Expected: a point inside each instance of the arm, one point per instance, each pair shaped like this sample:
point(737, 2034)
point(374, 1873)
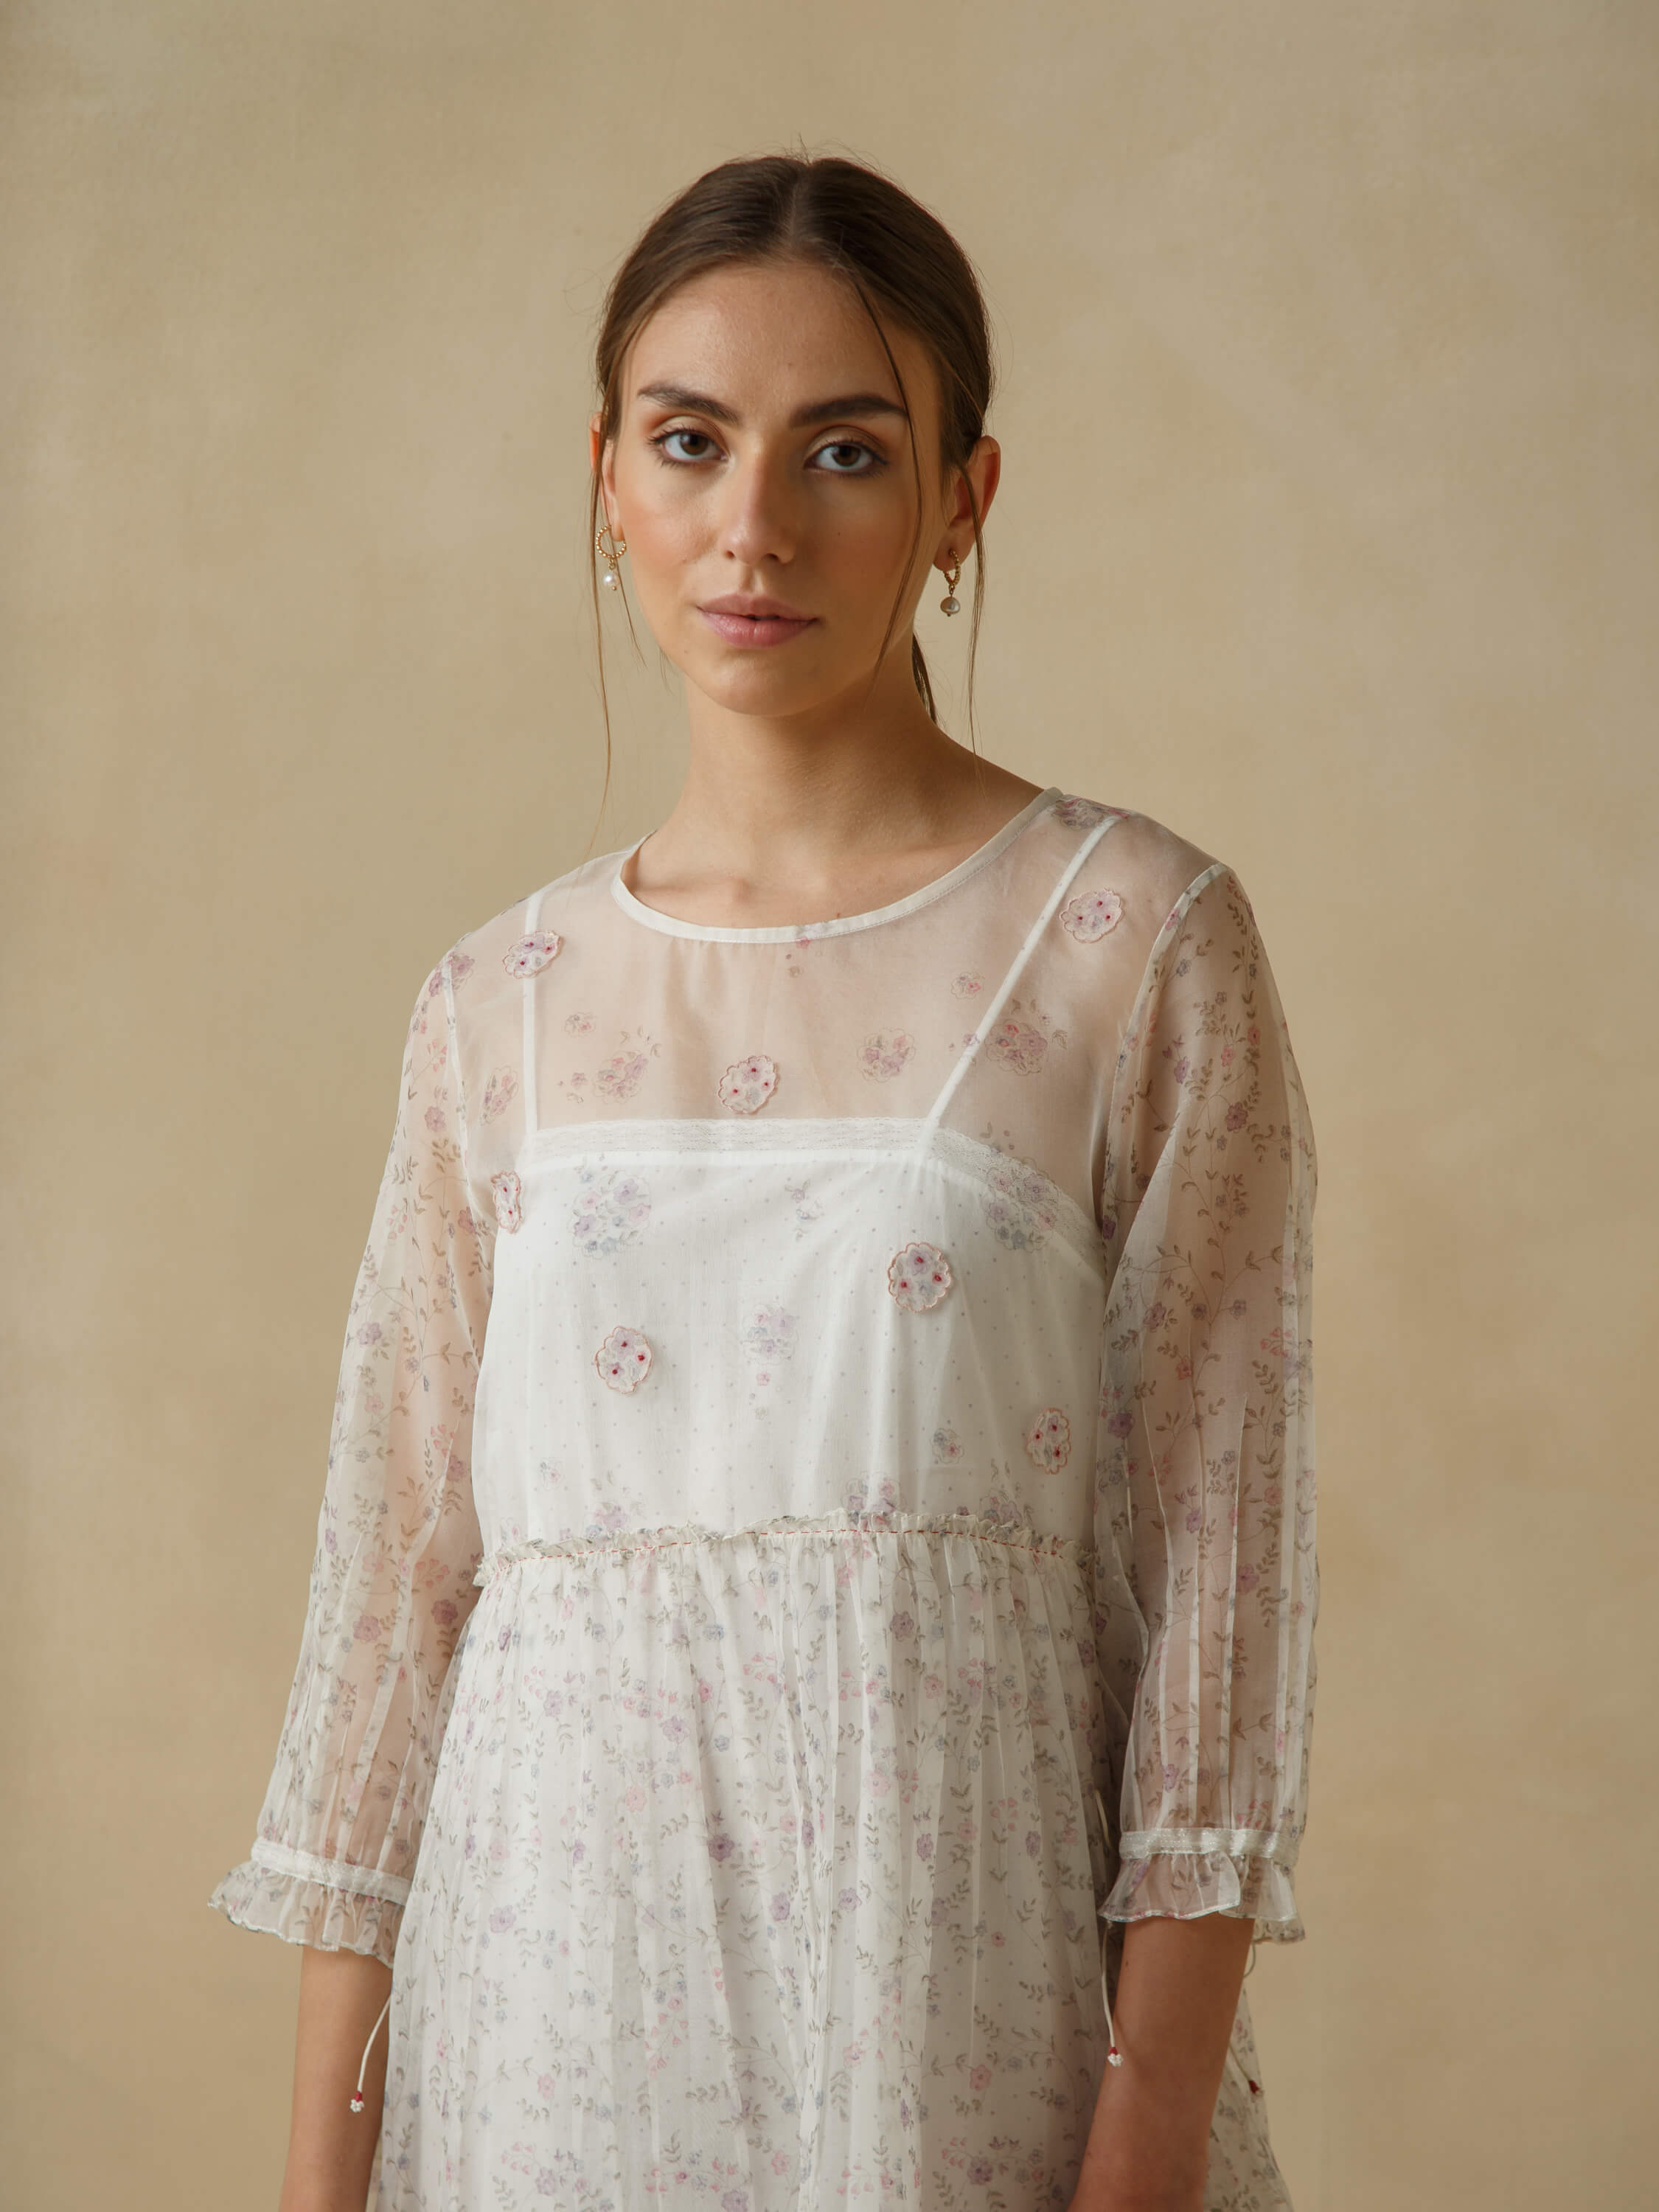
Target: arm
point(331, 2149)
point(391, 1589)
point(1204, 1521)
point(1148, 2149)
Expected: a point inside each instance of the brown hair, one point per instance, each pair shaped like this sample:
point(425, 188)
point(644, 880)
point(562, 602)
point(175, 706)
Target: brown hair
point(896, 257)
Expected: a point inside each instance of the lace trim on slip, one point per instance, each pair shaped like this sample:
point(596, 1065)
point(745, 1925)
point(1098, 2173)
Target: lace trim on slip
point(828, 1136)
point(1230, 1843)
point(1004, 1535)
point(330, 1874)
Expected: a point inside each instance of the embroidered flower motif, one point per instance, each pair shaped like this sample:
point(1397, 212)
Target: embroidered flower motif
point(613, 1208)
point(884, 1054)
point(1048, 1440)
point(1017, 1045)
point(509, 1193)
point(748, 1084)
point(530, 955)
point(578, 1024)
point(1089, 916)
point(624, 1359)
point(918, 1277)
point(947, 1445)
point(968, 987)
point(499, 1093)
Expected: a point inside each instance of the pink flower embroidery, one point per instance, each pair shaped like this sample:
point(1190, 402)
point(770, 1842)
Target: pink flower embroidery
point(748, 1084)
point(1092, 915)
point(508, 1194)
point(1048, 1440)
point(884, 1054)
point(530, 955)
point(624, 1359)
point(968, 987)
point(1017, 1045)
point(578, 1024)
point(918, 1277)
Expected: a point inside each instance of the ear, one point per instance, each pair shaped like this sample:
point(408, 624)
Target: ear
point(600, 460)
point(984, 470)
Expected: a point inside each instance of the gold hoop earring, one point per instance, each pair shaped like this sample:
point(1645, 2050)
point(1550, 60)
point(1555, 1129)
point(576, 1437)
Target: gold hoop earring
point(951, 604)
point(610, 554)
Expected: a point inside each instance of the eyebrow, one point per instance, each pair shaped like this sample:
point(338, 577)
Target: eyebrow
point(817, 410)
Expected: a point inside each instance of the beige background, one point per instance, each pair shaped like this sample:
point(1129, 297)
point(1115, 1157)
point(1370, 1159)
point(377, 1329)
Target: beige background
point(1327, 535)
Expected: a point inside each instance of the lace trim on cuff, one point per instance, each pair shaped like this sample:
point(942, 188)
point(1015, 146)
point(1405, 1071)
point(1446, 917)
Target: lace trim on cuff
point(310, 1912)
point(330, 1874)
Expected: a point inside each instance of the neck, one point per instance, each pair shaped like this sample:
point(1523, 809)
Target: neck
point(766, 799)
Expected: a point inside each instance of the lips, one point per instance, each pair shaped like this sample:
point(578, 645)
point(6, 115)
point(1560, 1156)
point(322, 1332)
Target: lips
point(754, 621)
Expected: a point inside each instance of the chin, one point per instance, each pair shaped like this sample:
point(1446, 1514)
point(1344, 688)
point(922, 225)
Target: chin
point(755, 689)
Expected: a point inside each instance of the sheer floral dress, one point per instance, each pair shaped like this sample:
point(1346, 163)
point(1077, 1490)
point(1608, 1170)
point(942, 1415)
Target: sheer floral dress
point(818, 1531)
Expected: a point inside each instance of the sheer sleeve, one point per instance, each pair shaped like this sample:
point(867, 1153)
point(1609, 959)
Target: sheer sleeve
point(1205, 1490)
point(397, 1542)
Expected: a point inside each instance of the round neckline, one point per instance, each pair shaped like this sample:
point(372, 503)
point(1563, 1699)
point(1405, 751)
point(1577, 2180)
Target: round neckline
point(792, 933)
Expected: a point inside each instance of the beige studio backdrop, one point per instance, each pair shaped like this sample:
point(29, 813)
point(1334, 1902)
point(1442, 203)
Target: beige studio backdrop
point(1326, 536)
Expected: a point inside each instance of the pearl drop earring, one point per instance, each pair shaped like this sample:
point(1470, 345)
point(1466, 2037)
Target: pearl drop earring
point(950, 602)
point(610, 554)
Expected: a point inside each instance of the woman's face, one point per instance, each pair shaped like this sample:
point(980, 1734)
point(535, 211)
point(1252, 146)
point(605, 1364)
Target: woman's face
point(762, 478)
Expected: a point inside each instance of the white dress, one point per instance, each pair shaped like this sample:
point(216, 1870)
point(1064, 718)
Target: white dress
point(820, 1404)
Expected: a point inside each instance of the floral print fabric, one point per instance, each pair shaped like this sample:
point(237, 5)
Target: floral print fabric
point(714, 1761)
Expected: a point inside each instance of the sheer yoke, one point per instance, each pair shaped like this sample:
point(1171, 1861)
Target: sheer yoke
point(820, 1404)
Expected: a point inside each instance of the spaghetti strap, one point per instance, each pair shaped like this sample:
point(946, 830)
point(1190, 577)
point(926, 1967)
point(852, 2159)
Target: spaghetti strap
point(988, 1020)
point(532, 912)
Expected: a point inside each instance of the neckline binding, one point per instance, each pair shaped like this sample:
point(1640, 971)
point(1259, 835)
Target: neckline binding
point(791, 932)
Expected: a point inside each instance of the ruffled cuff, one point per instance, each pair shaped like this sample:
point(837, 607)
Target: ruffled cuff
point(307, 1901)
point(1182, 1875)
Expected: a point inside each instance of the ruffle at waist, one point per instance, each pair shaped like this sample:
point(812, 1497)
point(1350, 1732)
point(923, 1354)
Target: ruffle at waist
point(976, 1528)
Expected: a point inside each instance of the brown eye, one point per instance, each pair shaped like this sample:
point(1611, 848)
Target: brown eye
point(846, 456)
point(694, 437)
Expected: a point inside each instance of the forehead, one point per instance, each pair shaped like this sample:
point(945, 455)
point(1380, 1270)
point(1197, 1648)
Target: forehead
point(766, 336)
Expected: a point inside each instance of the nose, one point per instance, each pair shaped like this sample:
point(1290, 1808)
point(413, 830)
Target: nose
point(759, 518)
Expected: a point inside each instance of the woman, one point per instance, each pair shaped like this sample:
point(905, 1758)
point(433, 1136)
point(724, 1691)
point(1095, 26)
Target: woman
point(819, 1528)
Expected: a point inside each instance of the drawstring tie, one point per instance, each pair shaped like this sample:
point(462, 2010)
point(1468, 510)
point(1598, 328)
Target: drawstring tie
point(1113, 2056)
point(357, 2094)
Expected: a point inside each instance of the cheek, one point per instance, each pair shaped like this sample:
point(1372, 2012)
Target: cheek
point(867, 536)
point(664, 527)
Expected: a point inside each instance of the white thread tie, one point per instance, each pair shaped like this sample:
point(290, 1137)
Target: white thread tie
point(357, 2094)
point(1113, 2056)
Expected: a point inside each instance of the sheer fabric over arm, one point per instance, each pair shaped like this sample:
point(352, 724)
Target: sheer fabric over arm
point(397, 1540)
point(1205, 1488)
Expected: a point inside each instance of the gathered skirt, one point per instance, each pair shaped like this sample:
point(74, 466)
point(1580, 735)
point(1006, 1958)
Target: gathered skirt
point(762, 1873)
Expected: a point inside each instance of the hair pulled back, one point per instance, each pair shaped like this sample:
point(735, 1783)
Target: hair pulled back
point(899, 260)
